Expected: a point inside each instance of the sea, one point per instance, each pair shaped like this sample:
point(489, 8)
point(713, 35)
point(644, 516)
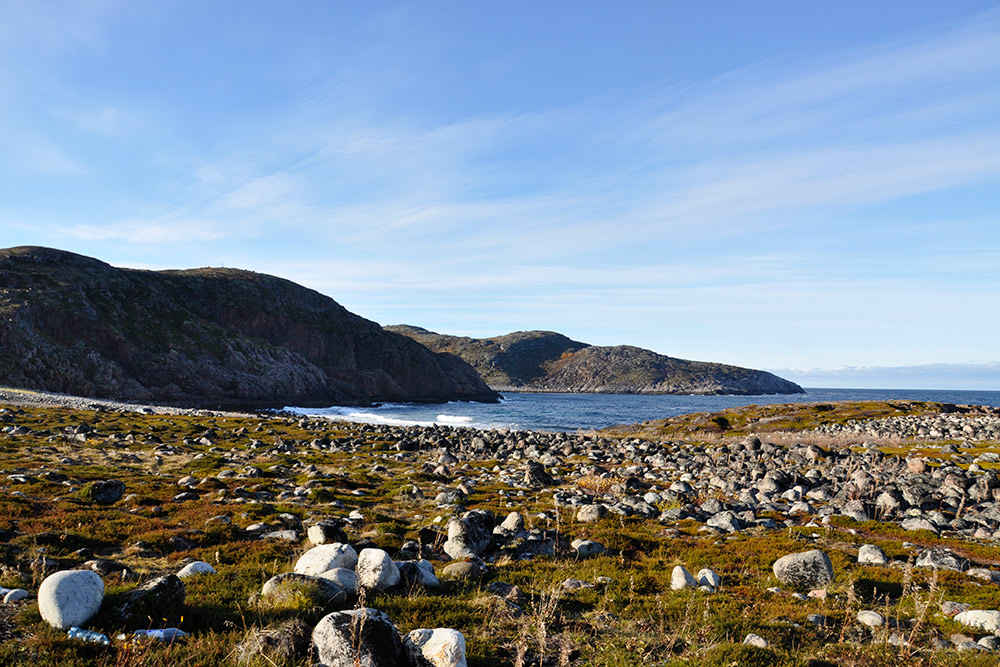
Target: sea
point(582, 412)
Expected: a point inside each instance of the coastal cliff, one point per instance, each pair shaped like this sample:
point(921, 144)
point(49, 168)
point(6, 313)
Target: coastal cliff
point(546, 361)
point(203, 337)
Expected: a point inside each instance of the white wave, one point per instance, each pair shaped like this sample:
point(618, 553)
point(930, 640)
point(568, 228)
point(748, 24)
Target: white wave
point(454, 420)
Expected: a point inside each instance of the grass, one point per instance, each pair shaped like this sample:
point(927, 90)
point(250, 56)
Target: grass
point(779, 418)
point(626, 614)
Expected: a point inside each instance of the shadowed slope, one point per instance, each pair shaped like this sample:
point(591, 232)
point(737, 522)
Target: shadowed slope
point(208, 337)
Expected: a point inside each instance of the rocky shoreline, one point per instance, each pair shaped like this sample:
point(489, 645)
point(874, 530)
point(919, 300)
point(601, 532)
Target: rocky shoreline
point(33, 398)
point(370, 523)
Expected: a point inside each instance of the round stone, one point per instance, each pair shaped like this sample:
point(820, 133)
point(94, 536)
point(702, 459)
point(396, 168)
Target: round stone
point(442, 647)
point(70, 597)
point(325, 557)
point(197, 567)
point(809, 569)
point(376, 570)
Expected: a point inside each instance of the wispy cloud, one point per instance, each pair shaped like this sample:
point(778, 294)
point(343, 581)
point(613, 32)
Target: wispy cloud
point(747, 150)
point(158, 232)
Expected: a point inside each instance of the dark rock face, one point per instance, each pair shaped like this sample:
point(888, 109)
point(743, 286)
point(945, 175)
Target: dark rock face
point(548, 361)
point(203, 337)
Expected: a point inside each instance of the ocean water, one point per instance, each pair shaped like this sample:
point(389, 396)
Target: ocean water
point(573, 412)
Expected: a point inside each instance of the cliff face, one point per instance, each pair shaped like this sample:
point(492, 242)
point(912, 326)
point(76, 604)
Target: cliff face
point(205, 337)
point(550, 362)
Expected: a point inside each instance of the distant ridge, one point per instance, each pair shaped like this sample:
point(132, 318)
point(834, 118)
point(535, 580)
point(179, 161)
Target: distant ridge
point(203, 337)
point(546, 361)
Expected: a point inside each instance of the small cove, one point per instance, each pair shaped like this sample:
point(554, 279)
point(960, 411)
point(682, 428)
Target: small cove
point(574, 412)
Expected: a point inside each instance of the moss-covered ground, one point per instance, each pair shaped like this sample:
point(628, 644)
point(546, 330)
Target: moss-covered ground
point(626, 613)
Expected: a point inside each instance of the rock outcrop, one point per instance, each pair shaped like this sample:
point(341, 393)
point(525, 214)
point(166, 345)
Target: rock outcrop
point(210, 337)
point(546, 361)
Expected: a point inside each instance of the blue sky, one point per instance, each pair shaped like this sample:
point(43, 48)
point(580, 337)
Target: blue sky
point(803, 187)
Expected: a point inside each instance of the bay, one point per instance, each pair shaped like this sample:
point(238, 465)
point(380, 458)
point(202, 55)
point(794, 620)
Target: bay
point(576, 412)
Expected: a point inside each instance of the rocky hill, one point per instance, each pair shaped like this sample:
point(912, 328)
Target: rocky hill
point(550, 362)
point(204, 337)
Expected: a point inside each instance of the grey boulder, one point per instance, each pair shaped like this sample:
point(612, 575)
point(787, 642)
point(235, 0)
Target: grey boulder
point(357, 638)
point(470, 534)
point(986, 619)
point(291, 583)
point(107, 491)
point(809, 569)
point(157, 598)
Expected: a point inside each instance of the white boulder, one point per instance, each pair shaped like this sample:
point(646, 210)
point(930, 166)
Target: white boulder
point(327, 557)
point(987, 619)
point(707, 577)
point(376, 570)
point(681, 578)
point(872, 619)
point(14, 595)
point(70, 597)
point(197, 567)
point(347, 579)
point(871, 554)
point(442, 647)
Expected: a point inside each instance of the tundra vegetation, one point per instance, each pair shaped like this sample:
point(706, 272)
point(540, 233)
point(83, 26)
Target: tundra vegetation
point(536, 600)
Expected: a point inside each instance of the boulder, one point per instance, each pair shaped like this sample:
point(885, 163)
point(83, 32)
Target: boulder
point(345, 578)
point(197, 567)
point(375, 570)
point(465, 570)
point(986, 619)
point(707, 577)
point(588, 548)
point(325, 557)
point(326, 532)
point(872, 619)
point(14, 595)
point(512, 526)
point(442, 647)
point(70, 598)
point(357, 638)
point(918, 523)
point(106, 492)
point(157, 598)
point(470, 534)
point(870, 554)
point(681, 578)
point(726, 521)
point(941, 559)
point(806, 570)
point(591, 513)
point(289, 583)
